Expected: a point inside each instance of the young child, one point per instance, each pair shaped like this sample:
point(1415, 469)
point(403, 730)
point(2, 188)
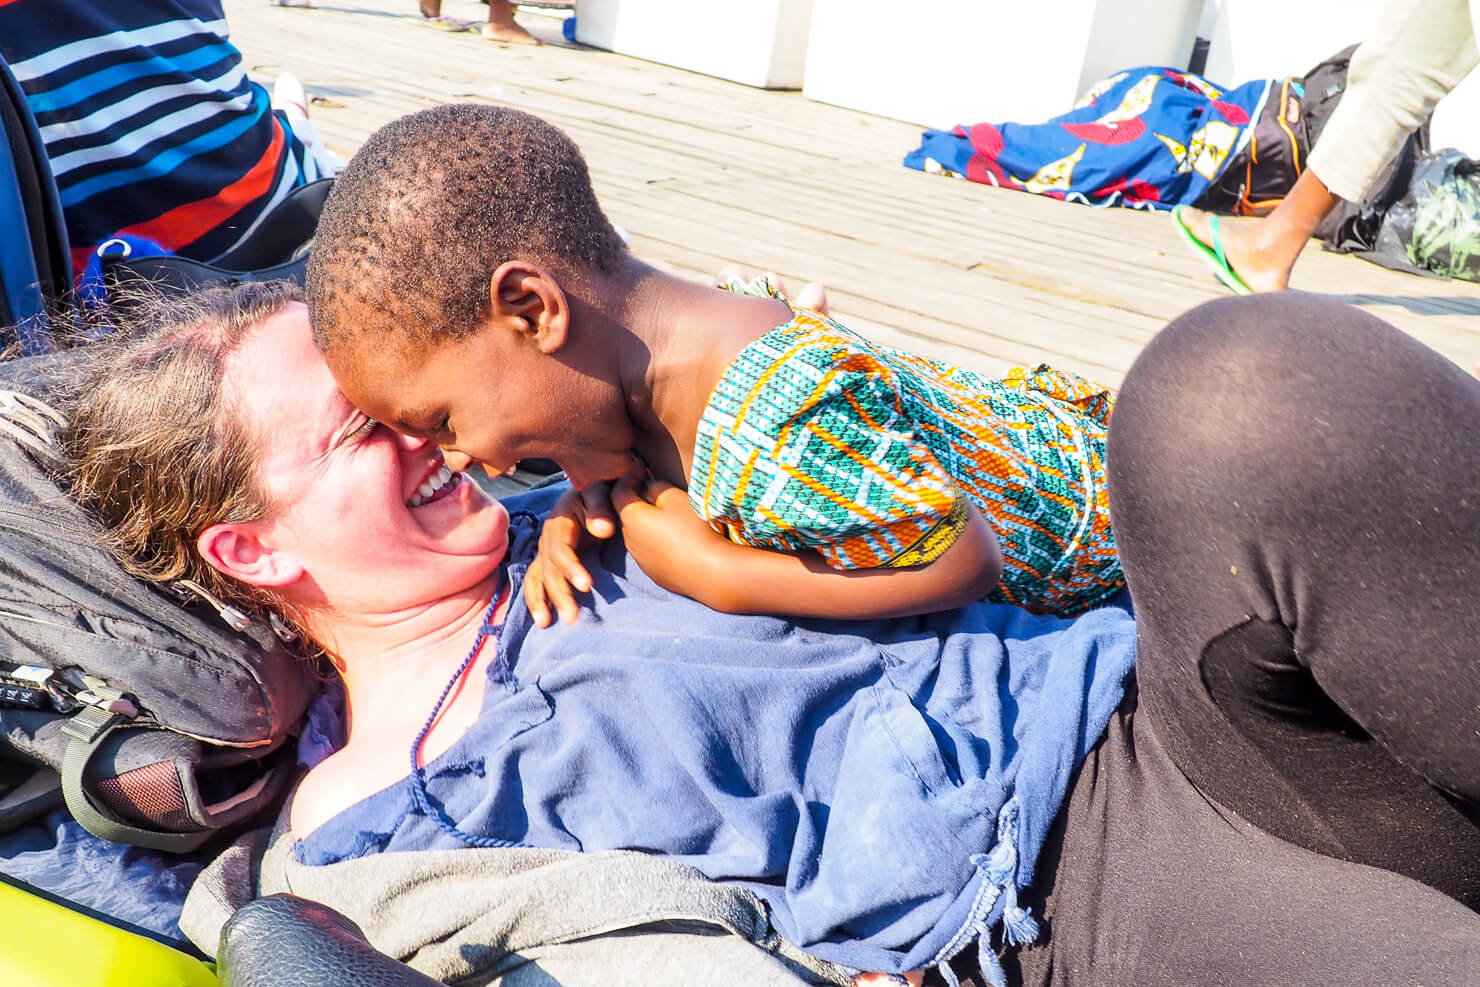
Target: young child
point(466, 287)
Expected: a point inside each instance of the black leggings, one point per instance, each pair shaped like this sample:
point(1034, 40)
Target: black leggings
point(1295, 489)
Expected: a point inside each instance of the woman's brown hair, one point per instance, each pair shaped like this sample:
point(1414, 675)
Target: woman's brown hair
point(157, 448)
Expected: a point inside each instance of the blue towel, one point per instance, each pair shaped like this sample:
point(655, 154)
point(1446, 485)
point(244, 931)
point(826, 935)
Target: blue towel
point(884, 786)
point(132, 886)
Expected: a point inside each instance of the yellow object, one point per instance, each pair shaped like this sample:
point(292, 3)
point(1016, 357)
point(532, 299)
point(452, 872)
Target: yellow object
point(45, 944)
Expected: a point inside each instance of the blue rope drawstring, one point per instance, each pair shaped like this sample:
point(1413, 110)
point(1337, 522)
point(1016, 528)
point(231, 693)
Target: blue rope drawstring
point(418, 774)
point(998, 868)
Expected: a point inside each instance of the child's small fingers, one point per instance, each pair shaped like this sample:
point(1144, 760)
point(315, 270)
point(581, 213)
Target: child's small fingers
point(813, 296)
point(601, 518)
point(666, 494)
point(730, 272)
point(575, 574)
point(558, 532)
point(540, 616)
point(557, 592)
point(534, 595)
point(624, 497)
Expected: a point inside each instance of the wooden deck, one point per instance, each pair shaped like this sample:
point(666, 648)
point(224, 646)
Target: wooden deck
point(704, 172)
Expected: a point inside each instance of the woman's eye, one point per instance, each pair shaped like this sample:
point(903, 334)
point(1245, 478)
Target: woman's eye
point(363, 432)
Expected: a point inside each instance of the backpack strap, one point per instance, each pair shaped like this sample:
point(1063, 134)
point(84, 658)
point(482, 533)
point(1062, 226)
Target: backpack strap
point(35, 260)
point(31, 423)
point(86, 731)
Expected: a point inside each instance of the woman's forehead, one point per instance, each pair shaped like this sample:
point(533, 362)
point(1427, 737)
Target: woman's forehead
point(281, 379)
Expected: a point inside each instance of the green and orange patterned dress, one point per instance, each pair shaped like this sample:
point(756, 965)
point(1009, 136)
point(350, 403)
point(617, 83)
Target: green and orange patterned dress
point(815, 438)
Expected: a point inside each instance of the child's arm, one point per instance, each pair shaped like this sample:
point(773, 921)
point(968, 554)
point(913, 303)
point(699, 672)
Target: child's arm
point(681, 553)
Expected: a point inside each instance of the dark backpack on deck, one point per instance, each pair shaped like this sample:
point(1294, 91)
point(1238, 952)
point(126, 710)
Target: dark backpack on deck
point(1353, 226)
point(1261, 173)
point(156, 724)
point(1256, 177)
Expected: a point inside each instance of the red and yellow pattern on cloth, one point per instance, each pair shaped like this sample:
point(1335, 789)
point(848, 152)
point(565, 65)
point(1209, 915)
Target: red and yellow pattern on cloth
point(815, 438)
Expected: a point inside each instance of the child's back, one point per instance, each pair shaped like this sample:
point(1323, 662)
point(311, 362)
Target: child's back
point(815, 438)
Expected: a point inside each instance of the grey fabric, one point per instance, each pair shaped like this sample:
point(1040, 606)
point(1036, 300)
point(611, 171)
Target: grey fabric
point(522, 917)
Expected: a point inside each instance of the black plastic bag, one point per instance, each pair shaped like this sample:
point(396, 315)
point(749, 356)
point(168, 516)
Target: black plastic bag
point(1435, 227)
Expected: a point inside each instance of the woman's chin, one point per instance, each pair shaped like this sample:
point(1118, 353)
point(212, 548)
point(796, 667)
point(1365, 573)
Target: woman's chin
point(467, 514)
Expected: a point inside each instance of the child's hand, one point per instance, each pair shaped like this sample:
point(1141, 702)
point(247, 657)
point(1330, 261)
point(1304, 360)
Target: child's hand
point(556, 573)
point(670, 542)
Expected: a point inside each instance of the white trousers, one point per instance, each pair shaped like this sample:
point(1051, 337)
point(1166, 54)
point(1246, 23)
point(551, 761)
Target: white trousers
point(1418, 52)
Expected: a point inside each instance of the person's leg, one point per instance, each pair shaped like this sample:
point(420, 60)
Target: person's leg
point(1419, 51)
point(1144, 880)
point(1295, 488)
point(503, 28)
point(311, 155)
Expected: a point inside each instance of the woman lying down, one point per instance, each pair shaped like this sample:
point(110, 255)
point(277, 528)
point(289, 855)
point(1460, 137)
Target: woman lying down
point(894, 791)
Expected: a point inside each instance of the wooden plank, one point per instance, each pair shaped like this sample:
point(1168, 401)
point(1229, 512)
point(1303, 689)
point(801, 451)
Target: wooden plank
point(704, 172)
point(947, 297)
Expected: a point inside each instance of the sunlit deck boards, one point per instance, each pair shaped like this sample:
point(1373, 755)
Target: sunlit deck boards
point(704, 172)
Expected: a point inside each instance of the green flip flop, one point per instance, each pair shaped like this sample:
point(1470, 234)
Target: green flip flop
point(1212, 256)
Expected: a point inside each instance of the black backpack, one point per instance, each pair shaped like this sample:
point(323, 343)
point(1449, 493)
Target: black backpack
point(154, 719)
point(157, 724)
point(1353, 226)
point(1256, 178)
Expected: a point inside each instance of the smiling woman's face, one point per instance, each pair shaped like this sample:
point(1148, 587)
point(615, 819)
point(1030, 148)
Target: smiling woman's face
point(375, 520)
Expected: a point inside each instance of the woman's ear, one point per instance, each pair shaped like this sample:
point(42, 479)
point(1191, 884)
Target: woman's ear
point(236, 550)
point(528, 299)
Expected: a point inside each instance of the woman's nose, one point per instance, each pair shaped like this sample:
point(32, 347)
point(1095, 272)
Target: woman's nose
point(456, 460)
point(411, 442)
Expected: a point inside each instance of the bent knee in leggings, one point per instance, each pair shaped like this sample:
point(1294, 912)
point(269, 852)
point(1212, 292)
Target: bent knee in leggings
point(1292, 484)
point(1266, 390)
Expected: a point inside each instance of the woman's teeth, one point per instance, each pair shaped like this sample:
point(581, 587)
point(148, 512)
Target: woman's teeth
point(442, 479)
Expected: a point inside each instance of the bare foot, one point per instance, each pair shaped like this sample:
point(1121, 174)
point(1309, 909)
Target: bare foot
point(1262, 264)
point(430, 8)
point(813, 297)
point(502, 28)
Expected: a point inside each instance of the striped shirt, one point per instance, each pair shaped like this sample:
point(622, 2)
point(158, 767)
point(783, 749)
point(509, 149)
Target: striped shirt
point(815, 438)
point(150, 123)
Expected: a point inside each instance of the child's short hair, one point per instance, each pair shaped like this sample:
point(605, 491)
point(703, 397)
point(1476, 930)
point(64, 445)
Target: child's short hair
point(429, 208)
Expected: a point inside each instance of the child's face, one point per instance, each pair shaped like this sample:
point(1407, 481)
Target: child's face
point(493, 398)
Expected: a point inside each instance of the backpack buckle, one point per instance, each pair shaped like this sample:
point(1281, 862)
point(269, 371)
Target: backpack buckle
point(31, 423)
